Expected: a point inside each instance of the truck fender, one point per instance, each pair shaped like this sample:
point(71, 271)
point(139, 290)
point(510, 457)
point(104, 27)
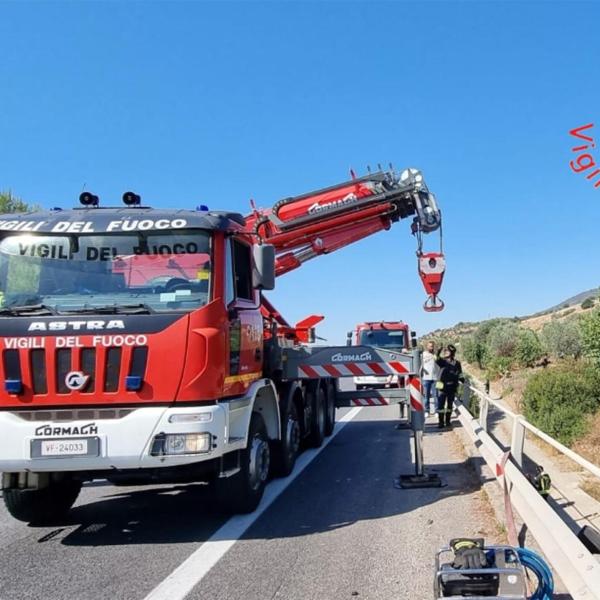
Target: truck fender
point(261, 398)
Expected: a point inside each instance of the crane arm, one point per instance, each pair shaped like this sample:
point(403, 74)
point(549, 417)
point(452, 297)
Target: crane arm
point(322, 221)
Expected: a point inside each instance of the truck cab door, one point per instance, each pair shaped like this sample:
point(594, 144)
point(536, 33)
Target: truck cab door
point(245, 319)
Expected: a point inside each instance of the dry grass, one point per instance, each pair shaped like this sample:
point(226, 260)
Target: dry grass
point(536, 323)
point(591, 486)
point(559, 460)
point(589, 445)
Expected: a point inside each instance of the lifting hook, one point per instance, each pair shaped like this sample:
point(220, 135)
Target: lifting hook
point(432, 267)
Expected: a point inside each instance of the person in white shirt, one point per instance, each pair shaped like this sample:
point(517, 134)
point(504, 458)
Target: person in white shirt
point(429, 377)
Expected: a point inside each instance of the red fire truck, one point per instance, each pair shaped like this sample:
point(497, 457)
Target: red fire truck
point(137, 344)
point(390, 335)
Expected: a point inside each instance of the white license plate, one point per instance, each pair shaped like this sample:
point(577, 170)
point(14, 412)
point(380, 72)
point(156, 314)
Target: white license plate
point(64, 447)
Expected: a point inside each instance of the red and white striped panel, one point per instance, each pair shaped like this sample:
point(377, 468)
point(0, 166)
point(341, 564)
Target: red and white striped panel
point(353, 369)
point(416, 395)
point(369, 402)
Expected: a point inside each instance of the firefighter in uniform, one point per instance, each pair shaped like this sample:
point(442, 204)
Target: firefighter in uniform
point(447, 385)
point(542, 482)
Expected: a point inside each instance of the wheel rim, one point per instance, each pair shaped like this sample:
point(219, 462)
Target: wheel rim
point(292, 433)
point(260, 459)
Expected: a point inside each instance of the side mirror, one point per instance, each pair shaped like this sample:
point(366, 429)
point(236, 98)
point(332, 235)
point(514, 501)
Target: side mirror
point(263, 272)
point(349, 339)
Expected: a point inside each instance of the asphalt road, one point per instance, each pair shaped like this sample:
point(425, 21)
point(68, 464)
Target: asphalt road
point(339, 530)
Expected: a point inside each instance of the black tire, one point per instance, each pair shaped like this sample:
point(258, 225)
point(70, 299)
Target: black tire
point(242, 492)
point(285, 451)
point(318, 417)
point(43, 505)
point(330, 412)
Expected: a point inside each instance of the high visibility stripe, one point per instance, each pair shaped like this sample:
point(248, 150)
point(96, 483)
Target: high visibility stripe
point(416, 398)
point(378, 368)
point(308, 372)
point(369, 402)
point(332, 370)
point(245, 378)
point(398, 366)
point(352, 369)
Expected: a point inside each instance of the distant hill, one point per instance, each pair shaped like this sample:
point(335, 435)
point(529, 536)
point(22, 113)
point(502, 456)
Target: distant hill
point(535, 321)
point(578, 299)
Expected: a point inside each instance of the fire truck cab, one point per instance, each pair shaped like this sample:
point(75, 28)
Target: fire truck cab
point(389, 335)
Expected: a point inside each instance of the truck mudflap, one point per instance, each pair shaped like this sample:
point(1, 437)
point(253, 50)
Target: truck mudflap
point(381, 397)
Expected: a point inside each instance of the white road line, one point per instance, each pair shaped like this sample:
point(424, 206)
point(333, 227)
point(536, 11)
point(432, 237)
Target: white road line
point(191, 571)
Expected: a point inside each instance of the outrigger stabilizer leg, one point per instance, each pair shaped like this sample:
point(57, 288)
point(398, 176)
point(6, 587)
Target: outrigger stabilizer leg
point(417, 421)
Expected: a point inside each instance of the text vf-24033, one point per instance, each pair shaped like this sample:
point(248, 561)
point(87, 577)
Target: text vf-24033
point(585, 160)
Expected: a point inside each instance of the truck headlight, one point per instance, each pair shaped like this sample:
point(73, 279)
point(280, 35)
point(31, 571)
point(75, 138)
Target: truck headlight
point(204, 417)
point(177, 444)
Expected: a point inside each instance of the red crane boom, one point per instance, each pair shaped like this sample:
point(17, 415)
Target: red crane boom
point(322, 221)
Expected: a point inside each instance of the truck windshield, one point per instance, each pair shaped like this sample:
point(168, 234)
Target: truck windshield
point(382, 338)
point(148, 271)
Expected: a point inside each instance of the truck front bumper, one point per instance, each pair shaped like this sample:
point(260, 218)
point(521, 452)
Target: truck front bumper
point(137, 440)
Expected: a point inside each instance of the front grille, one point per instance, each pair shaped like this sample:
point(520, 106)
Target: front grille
point(12, 364)
point(38, 372)
point(63, 366)
point(88, 366)
point(43, 371)
point(112, 369)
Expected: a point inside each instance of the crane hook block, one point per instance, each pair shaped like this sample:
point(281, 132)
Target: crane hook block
point(433, 304)
point(432, 267)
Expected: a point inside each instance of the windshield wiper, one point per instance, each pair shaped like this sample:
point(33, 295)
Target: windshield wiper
point(29, 310)
point(111, 309)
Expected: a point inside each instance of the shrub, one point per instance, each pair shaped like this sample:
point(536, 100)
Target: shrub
point(474, 351)
point(587, 303)
point(503, 340)
point(500, 366)
point(562, 338)
point(558, 400)
point(590, 335)
point(529, 348)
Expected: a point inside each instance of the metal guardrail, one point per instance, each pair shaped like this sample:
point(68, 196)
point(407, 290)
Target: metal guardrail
point(520, 424)
point(572, 561)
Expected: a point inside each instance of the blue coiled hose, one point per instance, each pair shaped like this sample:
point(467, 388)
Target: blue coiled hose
point(537, 565)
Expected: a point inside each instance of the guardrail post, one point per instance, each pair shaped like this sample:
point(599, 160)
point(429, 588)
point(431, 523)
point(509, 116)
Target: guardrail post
point(484, 406)
point(517, 442)
point(466, 395)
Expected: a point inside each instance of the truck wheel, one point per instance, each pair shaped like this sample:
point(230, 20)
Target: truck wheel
point(242, 492)
point(330, 413)
point(318, 418)
point(43, 505)
point(286, 451)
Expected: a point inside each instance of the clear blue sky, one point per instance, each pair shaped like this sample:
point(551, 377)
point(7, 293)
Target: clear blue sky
point(190, 102)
